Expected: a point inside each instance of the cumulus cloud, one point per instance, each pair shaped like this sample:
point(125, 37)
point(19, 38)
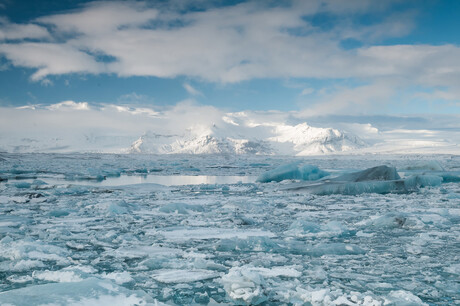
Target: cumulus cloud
point(224, 44)
point(235, 43)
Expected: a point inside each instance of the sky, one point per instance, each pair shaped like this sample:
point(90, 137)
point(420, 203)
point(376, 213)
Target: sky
point(313, 57)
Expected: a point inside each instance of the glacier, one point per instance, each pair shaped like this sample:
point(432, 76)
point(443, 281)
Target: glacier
point(117, 229)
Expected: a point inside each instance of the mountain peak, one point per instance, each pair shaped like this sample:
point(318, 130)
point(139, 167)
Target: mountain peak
point(300, 139)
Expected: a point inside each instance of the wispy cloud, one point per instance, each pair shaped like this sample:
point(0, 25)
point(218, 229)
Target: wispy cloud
point(14, 31)
point(192, 90)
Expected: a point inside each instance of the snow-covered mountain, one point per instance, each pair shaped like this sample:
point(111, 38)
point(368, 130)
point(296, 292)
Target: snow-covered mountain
point(300, 139)
point(196, 129)
point(308, 140)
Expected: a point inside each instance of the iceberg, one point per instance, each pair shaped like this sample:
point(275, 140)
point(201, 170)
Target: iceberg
point(292, 171)
point(428, 165)
point(183, 276)
point(447, 176)
point(353, 188)
point(415, 181)
point(432, 168)
point(380, 179)
point(379, 173)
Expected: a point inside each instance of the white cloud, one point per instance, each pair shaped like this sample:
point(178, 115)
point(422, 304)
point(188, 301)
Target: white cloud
point(307, 91)
point(50, 58)
point(351, 100)
point(102, 17)
point(16, 31)
point(135, 99)
point(228, 44)
point(46, 82)
point(69, 105)
point(191, 90)
point(236, 43)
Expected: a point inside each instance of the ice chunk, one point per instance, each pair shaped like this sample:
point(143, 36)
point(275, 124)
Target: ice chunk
point(352, 188)
point(118, 277)
point(21, 265)
point(403, 298)
point(303, 228)
point(286, 271)
point(180, 234)
point(183, 276)
point(143, 252)
point(293, 171)
point(335, 249)
point(390, 220)
point(29, 249)
point(39, 183)
point(61, 276)
point(116, 209)
point(243, 284)
point(22, 185)
point(393, 220)
point(180, 208)
point(415, 181)
point(379, 173)
point(58, 213)
point(426, 165)
point(448, 176)
point(254, 244)
point(90, 291)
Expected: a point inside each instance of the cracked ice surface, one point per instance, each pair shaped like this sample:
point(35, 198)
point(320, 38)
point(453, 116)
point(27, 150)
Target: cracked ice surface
point(67, 238)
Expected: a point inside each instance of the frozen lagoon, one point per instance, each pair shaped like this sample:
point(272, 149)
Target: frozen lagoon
point(85, 229)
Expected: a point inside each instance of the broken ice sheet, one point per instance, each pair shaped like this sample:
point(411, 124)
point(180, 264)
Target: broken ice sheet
point(229, 243)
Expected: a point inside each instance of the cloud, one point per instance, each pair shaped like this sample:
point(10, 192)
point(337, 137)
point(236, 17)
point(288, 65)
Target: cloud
point(191, 90)
point(51, 58)
point(236, 43)
point(135, 99)
point(69, 105)
point(223, 44)
point(350, 100)
point(14, 31)
point(102, 17)
point(307, 91)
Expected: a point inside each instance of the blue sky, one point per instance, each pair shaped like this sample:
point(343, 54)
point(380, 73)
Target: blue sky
point(316, 57)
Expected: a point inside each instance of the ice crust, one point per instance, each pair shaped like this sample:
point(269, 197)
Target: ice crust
point(77, 242)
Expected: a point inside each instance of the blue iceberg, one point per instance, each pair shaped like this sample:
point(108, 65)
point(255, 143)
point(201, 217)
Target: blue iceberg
point(293, 171)
point(380, 179)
